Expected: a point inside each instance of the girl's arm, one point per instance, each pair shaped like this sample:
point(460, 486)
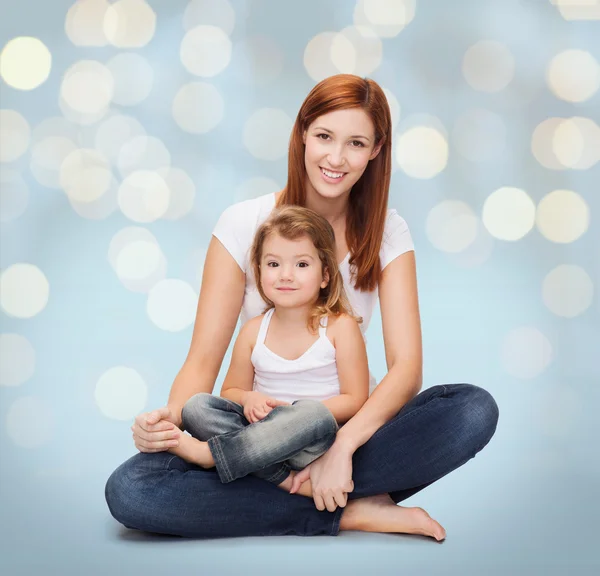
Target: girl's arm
point(403, 350)
point(240, 376)
point(353, 370)
point(219, 306)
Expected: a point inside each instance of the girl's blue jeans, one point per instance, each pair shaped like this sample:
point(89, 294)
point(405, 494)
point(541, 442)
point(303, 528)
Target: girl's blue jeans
point(290, 437)
point(436, 432)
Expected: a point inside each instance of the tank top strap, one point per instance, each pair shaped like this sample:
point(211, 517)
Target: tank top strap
point(264, 326)
point(323, 326)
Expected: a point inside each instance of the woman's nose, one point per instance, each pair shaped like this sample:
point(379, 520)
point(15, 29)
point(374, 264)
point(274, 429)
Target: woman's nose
point(336, 157)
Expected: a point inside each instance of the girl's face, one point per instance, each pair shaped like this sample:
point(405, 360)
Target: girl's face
point(339, 145)
point(291, 273)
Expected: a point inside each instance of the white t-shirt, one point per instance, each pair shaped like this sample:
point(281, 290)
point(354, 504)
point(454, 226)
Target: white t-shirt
point(237, 226)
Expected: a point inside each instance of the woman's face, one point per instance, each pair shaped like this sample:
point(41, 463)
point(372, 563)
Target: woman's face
point(339, 145)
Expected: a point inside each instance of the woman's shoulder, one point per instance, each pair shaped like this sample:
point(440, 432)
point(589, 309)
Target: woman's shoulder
point(396, 238)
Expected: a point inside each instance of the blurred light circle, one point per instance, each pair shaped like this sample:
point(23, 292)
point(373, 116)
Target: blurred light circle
point(508, 213)
point(101, 207)
point(198, 107)
point(573, 75)
point(85, 175)
point(356, 50)
point(267, 132)
point(387, 18)
point(488, 66)
point(14, 135)
point(87, 87)
point(172, 305)
point(18, 359)
point(129, 23)
point(317, 55)
point(182, 192)
point(84, 119)
point(422, 152)
point(526, 352)
point(563, 216)
point(480, 135)
point(30, 422)
point(133, 77)
point(127, 245)
point(394, 107)
point(25, 63)
point(24, 290)
point(542, 141)
point(121, 393)
point(451, 226)
point(115, 132)
point(205, 51)
point(477, 252)
point(143, 153)
point(14, 195)
point(47, 157)
point(578, 9)
point(138, 260)
point(567, 291)
point(85, 23)
point(143, 196)
point(576, 143)
point(254, 187)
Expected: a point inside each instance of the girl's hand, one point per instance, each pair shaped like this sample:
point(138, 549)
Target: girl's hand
point(257, 405)
point(330, 477)
point(155, 431)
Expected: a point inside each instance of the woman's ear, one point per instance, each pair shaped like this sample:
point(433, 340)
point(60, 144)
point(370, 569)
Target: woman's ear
point(376, 150)
point(304, 137)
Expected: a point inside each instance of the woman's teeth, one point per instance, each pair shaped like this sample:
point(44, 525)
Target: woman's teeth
point(332, 174)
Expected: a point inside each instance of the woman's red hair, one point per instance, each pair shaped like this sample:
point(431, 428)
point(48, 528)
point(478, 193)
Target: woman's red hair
point(368, 200)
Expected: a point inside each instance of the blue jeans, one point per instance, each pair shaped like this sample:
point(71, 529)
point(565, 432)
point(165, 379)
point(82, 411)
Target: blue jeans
point(436, 432)
point(289, 438)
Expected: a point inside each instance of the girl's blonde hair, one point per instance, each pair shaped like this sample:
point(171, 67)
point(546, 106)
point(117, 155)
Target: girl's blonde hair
point(291, 223)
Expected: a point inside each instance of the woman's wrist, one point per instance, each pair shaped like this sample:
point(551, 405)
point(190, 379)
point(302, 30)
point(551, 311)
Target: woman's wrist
point(345, 441)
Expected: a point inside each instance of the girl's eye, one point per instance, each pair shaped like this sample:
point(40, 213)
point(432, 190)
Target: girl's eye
point(303, 264)
point(272, 264)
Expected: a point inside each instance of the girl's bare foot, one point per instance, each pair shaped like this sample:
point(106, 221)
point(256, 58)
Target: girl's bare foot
point(304, 490)
point(194, 451)
point(382, 514)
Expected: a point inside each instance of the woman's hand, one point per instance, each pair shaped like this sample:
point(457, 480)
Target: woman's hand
point(155, 431)
point(257, 405)
point(330, 477)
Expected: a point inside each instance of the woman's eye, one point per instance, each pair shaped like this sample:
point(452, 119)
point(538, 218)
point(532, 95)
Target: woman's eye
point(323, 136)
point(357, 144)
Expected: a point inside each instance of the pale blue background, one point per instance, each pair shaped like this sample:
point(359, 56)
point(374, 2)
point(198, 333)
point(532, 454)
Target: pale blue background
point(528, 504)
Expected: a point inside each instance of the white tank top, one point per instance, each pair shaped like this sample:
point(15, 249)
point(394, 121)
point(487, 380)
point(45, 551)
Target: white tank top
point(313, 375)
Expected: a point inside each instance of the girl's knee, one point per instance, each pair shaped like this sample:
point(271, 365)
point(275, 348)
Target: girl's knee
point(315, 413)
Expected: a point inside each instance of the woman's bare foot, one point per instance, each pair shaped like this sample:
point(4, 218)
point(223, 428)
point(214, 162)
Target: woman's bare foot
point(382, 514)
point(194, 451)
point(304, 490)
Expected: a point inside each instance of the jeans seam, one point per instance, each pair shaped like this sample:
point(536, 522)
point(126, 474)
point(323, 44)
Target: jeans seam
point(279, 476)
point(337, 518)
point(220, 462)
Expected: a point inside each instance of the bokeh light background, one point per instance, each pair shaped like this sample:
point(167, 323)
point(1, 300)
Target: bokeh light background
point(127, 126)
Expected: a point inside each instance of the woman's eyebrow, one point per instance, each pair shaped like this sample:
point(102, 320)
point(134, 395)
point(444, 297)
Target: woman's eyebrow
point(330, 132)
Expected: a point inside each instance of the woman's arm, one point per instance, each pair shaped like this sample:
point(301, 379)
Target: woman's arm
point(403, 350)
point(219, 306)
point(352, 367)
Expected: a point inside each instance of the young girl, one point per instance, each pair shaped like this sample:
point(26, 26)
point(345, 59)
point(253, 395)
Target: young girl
point(297, 371)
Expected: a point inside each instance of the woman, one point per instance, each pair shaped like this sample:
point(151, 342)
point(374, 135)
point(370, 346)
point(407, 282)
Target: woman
point(400, 441)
